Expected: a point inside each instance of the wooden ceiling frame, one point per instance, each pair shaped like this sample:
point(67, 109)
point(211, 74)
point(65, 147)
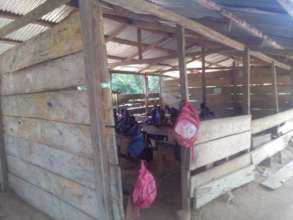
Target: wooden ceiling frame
point(147, 8)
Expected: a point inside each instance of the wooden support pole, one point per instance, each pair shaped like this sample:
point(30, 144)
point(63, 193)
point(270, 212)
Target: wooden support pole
point(108, 176)
point(276, 104)
point(185, 153)
point(275, 86)
point(203, 75)
point(233, 72)
point(3, 160)
point(246, 82)
point(139, 41)
point(146, 92)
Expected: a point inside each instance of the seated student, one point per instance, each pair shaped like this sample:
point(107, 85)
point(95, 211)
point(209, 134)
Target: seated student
point(205, 112)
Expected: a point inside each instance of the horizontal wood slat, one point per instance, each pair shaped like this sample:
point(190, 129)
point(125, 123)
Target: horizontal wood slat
point(66, 190)
point(271, 148)
point(78, 169)
point(71, 138)
point(210, 191)
point(219, 128)
point(45, 201)
point(218, 149)
point(215, 173)
point(65, 72)
point(271, 121)
point(65, 106)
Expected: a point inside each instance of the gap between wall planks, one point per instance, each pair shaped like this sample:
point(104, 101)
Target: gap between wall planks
point(108, 174)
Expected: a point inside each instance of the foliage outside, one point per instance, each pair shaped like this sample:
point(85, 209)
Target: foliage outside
point(134, 84)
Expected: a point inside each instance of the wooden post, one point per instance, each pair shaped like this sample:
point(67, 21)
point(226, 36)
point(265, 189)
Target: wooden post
point(246, 82)
point(161, 98)
point(3, 160)
point(275, 87)
point(139, 39)
point(233, 72)
point(108, 176)
point(185, 153)
point(146, 92)
point(203, 75)
point(276, 104)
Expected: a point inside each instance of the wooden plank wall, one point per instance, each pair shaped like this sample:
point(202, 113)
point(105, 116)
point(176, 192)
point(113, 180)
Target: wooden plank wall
point(224, 91)
point(135, 103)
point(219, 167)
point(219, 92)
point(262, 91)
point(46, 125)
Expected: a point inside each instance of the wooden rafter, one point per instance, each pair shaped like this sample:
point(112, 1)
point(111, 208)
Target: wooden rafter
point(116, 32)
point(135, 44)
point(148, 8)
point(32, 16)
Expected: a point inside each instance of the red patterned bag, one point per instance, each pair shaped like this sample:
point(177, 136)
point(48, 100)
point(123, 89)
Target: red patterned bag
point(187, 126)
point(145, 191)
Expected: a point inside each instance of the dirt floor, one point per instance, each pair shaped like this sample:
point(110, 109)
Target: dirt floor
point(253, 202)
point(13, 208)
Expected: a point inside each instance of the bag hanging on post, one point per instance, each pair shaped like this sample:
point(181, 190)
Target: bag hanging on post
point(187, 127)
point(145, 190)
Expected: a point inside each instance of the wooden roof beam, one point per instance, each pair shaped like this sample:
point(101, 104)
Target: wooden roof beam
point(32, 16)
point(135, 44)
point(144, 7)
point(209, 4)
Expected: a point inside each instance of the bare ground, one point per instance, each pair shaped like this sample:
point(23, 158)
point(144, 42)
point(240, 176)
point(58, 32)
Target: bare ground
point(13, 208)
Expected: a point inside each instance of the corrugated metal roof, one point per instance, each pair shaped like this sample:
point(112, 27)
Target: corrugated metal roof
point(22, 7)
point(185, 7)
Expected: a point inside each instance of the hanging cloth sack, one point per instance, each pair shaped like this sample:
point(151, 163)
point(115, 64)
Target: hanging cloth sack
point(187, 127)
point(145, 190)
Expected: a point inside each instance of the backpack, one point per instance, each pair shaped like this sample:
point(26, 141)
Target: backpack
point(136, 146)
point(187, 126)
point(145, 190)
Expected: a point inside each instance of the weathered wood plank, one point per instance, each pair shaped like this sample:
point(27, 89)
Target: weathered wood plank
point(280, 177)
point(218, 149)
point(64, 106)
point(217, 128)
point(57, 161)
point(267, 122)
point(45, 201)
point(64, 189)
point(212, 174)
point(71, 138)
point(246, 105)
point(61, 40)
point(213, 190)
point(269, 149)
point(65, 72)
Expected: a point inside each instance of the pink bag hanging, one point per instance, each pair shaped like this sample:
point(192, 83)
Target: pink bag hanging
point(145, 191)
point(187, 126)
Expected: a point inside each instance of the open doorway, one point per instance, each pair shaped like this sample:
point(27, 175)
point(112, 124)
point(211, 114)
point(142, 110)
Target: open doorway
point(144, 132)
